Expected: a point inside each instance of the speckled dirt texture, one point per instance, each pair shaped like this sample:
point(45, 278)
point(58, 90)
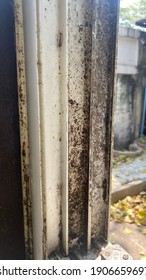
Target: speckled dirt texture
point(90, 55)
point(104, 30)
point(23, 122)
point(92, 43)
point(79, 85)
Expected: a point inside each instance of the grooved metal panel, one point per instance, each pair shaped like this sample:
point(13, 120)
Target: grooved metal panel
point(32, 84)
point(79, 86)
point(70, 60)
point(104, 32)
point(23, 124)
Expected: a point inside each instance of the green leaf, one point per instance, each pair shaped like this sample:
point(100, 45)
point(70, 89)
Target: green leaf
point(132, 13)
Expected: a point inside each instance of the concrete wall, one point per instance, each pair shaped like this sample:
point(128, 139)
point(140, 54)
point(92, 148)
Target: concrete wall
point(131, 76)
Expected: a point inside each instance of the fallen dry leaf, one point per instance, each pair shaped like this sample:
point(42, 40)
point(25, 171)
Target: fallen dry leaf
point(130, 210)
point(127, 230)
point(142, 253)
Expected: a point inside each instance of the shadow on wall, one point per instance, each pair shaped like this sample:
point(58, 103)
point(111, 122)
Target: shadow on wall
point(124, 113)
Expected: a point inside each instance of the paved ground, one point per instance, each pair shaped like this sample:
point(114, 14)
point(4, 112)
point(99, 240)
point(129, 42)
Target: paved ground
point(133, 169)
point(129, 236)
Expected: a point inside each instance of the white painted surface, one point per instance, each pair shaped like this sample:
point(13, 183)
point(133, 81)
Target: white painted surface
point(127, 55)
point(126, 69)
point(42, 28)
point(129, 32)
point(50, 109)
point(32, 84)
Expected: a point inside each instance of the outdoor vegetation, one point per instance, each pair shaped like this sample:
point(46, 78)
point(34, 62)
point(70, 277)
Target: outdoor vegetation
point(133, 12)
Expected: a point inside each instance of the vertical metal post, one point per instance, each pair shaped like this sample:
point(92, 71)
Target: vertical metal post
point(79, 88)
point(70, 61)
point(104, 34)
point(24, 141)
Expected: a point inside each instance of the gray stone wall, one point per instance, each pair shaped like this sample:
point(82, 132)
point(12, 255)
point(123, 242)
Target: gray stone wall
point(129, 90)
point(124, 125)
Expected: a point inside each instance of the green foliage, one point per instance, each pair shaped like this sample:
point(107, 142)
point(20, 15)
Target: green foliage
point(130, 14)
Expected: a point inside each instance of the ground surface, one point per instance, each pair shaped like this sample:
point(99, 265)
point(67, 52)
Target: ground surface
point(132, 169)
point(130, 236)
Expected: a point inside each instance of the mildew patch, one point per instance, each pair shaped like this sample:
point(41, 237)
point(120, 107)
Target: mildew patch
point(25, 164)
point(79, 71)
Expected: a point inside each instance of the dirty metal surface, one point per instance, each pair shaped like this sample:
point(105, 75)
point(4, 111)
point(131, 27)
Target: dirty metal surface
point(63, 65)
point(42, 49)
point(104, 30)
point(49, 44)
point(11, 208)
point(73, 78)
point(33, 66)
point(23, 122)
point(79, 86)
point(103, 251)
